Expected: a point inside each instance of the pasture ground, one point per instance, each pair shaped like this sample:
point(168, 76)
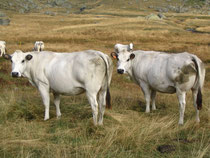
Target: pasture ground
point(127, 130)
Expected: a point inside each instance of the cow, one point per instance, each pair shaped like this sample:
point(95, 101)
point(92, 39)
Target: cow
point(39, 46)
point(73, 73)
point(2, 48)
point(162, 72)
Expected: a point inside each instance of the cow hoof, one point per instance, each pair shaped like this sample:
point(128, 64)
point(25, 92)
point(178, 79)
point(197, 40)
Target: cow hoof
point(100, 123)
point(154, 108)
point(46, 119)
point(58, 117)
point(147, 111)
point(181, 123)
point(198, 120)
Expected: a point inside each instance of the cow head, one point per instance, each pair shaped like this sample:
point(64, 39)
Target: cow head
point(19, 62)
point(124, 55)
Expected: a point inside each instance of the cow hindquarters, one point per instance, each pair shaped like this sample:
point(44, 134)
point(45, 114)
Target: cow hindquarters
point(196, 89)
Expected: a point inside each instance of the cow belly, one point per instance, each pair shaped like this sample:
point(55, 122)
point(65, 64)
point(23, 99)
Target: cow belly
point(67, 87)
point(68, 90)
point(161, 83)
point(164, 88)
point(170, 87)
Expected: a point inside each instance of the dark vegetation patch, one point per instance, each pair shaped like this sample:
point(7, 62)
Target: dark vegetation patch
point(207, 61)
point(184, 140)
point(196, 31)
point(23, 110)
point(141, 106)
point(207, 77)
point(166, 148)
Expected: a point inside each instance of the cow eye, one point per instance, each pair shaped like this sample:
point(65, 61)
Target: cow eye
point(11, 61)
point(128, 59)
point(23, 61)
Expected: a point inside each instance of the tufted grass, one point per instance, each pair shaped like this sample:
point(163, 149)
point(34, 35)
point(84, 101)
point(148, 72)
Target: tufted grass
point(127, 131)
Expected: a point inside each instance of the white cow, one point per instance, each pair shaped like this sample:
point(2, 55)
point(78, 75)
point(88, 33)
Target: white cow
point(163, 72)
point(2, 48)
point(68, 74)
point(39, 46)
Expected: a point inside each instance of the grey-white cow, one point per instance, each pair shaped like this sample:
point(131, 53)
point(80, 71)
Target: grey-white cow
point(2, 48)
point(39, 46)
point(68, 74)
point(167, 73)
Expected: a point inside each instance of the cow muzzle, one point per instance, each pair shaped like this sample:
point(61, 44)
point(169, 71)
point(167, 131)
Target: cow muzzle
point(15, 74)
point(120, 71)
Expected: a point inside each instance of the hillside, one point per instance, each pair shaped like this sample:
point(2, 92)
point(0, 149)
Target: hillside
point(24, 6)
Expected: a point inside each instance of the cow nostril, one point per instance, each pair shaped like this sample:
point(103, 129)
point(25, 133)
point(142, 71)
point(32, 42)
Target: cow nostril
point(120, 71)
point(14, 74)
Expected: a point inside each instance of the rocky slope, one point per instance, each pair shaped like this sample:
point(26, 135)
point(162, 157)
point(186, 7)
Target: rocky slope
point(24, 6)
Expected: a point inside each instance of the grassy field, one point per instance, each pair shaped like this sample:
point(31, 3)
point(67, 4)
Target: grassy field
point(127, 131)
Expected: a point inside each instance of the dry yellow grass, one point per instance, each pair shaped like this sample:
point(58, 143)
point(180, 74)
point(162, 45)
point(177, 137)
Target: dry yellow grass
point(128, 131)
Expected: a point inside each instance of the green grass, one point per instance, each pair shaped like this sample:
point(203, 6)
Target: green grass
point(127, 130)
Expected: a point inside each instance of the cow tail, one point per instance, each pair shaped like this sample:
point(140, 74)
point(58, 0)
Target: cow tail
point(109, 68)
point(199, 99)
point(198, 84)
point(108, 99)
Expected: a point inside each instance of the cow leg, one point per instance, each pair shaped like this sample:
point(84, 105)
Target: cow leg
point(92, 98)
point(153, 95)
point(57, 104)
point(194, 94)
point(181, 97)
point(44, 91)
point(102, 106)
point(147, 94)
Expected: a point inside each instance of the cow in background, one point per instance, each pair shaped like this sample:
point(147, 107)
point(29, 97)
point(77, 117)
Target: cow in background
point(2, 48)
point(39, 46)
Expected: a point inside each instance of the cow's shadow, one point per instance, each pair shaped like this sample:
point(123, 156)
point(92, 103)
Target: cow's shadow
point(141, 106)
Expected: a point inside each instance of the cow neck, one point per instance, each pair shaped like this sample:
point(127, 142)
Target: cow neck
point(131, 71)
point(28, 71)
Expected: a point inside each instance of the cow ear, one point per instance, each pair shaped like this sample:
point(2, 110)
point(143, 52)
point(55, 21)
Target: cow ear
point(131, 47)
point(132, 56)
point(114, 55)
point(29, 57)
point(7, 56)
